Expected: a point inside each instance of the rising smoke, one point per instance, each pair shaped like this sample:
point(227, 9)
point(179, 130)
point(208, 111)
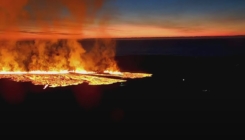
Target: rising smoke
point(53, 54)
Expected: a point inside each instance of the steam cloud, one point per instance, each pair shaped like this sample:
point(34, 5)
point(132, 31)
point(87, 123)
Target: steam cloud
point(48, 16)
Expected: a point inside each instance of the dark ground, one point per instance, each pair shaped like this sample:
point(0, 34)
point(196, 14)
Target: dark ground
point(182, 89)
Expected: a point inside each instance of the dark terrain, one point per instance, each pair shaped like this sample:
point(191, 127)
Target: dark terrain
point(192, 85)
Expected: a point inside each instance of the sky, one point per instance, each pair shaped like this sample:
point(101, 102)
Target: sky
point(155, 18)
point(123, 18)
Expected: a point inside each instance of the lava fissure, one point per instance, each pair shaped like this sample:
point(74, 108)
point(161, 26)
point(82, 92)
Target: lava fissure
point(61, 79)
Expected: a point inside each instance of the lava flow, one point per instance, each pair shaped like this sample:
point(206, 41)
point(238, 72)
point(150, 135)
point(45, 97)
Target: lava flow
point(68, 78)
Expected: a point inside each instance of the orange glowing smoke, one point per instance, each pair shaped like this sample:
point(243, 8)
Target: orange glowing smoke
point(56, 55)
point(45, 19)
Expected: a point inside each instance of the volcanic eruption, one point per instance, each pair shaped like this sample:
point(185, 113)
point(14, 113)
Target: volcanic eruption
point(40, 44)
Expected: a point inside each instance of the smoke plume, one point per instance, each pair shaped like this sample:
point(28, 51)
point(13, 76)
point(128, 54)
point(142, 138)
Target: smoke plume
point(50, 20)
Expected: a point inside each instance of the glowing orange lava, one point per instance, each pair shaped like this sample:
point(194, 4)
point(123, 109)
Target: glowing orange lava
point(69, 78)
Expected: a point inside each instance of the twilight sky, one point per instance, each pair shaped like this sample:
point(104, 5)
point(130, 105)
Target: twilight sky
point(121, 18)
point(178, 17)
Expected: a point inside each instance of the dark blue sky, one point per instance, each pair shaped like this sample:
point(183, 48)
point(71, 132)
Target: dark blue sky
point(173, 8)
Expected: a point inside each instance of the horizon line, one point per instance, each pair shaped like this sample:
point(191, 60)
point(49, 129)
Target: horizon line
point(77, 37)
